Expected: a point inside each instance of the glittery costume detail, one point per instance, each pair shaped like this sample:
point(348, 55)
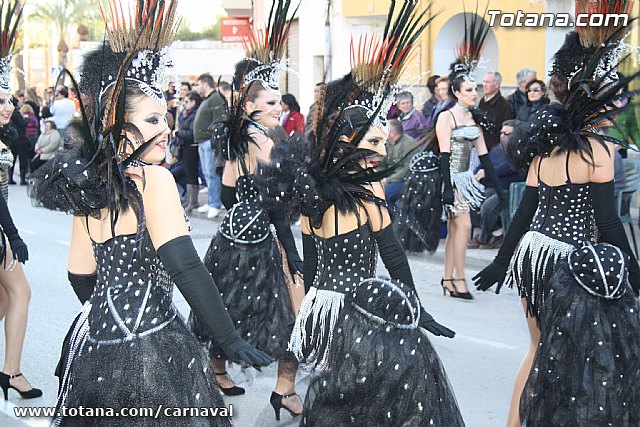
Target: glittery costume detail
point(129, 348)
point(470, 192)
point(246, 265)
point(562, 222)
point(343, 261)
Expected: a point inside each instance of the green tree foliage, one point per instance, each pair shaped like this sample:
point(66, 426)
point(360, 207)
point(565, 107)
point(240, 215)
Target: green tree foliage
point(185, 33)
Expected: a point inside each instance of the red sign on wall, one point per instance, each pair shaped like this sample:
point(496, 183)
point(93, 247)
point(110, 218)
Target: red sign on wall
point(235, 30)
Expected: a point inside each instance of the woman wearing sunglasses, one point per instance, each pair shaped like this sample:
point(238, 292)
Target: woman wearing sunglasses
point(537, 96)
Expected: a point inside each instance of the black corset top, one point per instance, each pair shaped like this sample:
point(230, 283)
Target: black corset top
point(134, 293)
point(345, 260)
point(565, 212)
point(246, 222)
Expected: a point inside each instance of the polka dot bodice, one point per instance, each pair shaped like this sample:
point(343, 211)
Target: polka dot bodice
point(133, 294)
point(345, 260)
point(246, 222)
point(564, 213)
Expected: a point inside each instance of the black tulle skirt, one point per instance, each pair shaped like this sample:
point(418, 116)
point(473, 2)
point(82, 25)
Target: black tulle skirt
point(587, 368)
point(418, 228)
point(161, 371)
point(380, 376)
point(252, 284)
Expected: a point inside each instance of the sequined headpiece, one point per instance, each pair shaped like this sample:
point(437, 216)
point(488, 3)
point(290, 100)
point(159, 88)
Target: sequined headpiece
point(580, 45)
point(266, 49)
point(469, 51)
point(10, 14)
point(144, 34)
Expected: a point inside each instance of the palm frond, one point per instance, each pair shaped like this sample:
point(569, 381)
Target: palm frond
point(10, 14)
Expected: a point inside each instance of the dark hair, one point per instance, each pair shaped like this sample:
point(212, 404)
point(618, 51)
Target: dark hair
point(291, 102)
point(187, 84)
point(455, 85)
point(62, 90)
point(224, 86)
point(254, 88)
point(432, 83)
point(206, 78)
point(511, 123)
point(559, 86)
point(195, 97)
point(545, 98)
point(52, 123)
point(395, 125)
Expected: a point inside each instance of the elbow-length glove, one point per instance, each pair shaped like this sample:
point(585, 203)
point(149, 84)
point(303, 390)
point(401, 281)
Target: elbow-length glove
point(183, 264)
point(445, 171)
point(492, 176)
point(395, 260)
point(497, 270)
point(283, 230)
point(228, 196)
point(18, 246)
point(611, 229)
point(83, 285)
point(310, 260)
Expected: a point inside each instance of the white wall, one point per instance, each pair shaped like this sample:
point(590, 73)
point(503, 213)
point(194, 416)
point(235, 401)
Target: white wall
point(194, 58)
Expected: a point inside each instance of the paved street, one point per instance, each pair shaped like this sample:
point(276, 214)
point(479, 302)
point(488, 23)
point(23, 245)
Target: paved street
point(481, 361)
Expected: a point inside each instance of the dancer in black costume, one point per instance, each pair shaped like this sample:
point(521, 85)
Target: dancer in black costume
point(583, 366)
point(129, 348)
point(376, 364)
point(244, 257)
point(14, 287)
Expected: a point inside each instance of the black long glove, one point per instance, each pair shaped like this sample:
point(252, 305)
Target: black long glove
point(18, 247)
point(395, 260)
point(492, 176)
point(497, 270)
point(83, 285)
point(283, 230)
point(183, 264)
point(310, 260)
point(611, 229)
point(445, 171)
point(228, 196)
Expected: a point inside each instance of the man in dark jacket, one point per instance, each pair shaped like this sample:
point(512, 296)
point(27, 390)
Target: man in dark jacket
point(210, 111)
point(400, 148)
point(492, 205)
point(519, 98)
point(494, 104)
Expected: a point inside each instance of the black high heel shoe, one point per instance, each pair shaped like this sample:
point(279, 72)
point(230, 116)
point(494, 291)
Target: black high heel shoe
point(444, 287)
point(6, 385)
point(229, 391)
point(462, 295)
point(276, 402)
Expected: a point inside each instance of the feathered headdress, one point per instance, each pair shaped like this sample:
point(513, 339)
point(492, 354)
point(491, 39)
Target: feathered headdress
point(594, 96)
point(469, 51)
point(266, 49)
point(10, 14)
point(91, 176)
point(581, 44)
point(330, 172)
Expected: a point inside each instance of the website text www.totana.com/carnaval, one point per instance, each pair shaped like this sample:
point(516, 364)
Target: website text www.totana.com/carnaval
point(157, 412)
point(529, 20)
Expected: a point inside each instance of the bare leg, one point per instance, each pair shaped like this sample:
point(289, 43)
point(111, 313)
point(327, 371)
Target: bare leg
point(16, 287)
point(286, 384)
point(4, 303)
point(220, 366)
point(461, 237)
point(448, 253)
point(523, 372)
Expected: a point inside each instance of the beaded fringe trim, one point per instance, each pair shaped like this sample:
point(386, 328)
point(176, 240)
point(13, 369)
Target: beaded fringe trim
point(535, 253)
point(320, 309)
point(77, 340)
point(470, 190)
